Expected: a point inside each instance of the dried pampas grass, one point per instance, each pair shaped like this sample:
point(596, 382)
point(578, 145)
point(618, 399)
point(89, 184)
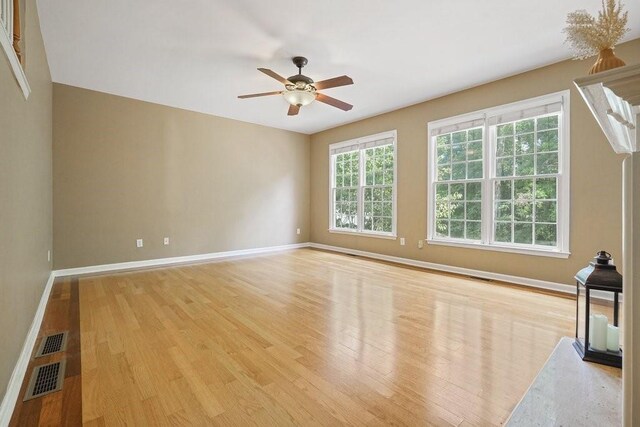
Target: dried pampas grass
point(588, 35)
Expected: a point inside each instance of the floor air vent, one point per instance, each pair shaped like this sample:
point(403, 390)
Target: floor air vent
point(52, 344)
point(46, 379)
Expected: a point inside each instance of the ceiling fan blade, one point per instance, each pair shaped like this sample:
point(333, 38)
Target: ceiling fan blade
point(333, 102)
point(275, 75)
point(293, 110)
point(334, 82)
point(253, 95)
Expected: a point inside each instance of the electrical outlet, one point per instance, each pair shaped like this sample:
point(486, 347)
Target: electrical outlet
point(297, 231)
point(139, 243)
point(49, 255)
point(402, 241)
point(420, 244)
point(166, 241)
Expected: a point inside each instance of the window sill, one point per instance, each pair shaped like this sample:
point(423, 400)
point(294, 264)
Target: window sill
point(364, 234)
point(18, 72)
point(553, 253)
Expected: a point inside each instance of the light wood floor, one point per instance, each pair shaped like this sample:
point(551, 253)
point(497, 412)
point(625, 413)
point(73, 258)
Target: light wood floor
point(309, 338)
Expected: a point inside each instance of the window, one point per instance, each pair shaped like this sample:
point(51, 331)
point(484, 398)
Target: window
point(10, 40)
point(363, 185)
point(499, 178)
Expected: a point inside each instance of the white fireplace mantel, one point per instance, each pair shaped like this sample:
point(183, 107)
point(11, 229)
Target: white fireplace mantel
point(614, 99)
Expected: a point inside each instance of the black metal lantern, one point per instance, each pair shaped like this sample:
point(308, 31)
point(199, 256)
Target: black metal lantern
point(597, 340)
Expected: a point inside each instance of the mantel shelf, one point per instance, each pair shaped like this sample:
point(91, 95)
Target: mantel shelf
point(614, 99)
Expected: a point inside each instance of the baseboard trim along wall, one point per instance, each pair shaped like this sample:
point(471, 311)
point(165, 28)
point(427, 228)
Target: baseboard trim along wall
point(158, 262)
point(19, 371)
point(524, 281)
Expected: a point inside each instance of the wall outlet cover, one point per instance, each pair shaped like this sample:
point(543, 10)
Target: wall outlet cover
point(139, 243)
point(166, 241)
point(402, 241)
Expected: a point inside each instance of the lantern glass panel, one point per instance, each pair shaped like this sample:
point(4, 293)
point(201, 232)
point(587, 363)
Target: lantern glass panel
point(606, 308)
point(581, 312)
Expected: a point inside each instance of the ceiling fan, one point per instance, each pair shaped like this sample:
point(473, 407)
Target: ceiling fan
point(301, 90)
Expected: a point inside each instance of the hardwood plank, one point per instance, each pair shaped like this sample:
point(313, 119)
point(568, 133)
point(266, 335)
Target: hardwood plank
point(62, 408)
point(310, 337)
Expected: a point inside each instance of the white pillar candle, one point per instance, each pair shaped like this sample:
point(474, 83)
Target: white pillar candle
point(600, 323)
point(613, 338)
point(590, 328)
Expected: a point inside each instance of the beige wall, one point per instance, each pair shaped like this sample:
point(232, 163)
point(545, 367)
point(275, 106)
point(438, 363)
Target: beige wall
point(595, 176)
point(126, 169)
point(25, 194)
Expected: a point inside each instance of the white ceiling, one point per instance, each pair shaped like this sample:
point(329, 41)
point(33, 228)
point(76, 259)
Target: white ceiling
point(200, 54)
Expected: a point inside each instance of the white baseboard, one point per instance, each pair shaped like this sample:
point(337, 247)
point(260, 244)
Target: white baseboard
point(19, 371)
point(174, 260)
point(541, 284)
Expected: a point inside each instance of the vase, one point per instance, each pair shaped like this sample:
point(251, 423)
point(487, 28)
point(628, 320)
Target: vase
point(607, 60)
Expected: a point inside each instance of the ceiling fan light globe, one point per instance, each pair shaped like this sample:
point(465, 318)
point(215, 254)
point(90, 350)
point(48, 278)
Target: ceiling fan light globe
point(299, 97)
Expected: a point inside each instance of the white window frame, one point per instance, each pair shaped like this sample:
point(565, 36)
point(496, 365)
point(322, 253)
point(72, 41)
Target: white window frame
point(489, 159)
point(6, 41)
point(361, 142)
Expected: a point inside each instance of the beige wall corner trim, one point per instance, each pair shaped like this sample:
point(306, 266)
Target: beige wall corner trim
point(17, 377)
point(18, 72)
point(524, 281)
point(159, 262)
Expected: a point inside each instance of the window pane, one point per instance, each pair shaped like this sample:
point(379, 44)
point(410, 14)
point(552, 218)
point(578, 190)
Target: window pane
point(443, 139)
point(473, 230)
point(475, 134)
point(474, 191)
point(505, 130)
point(504, 147)
point(523, 189)
point(524, 165)
point(547, 141)
point(387, 193)
point(457, 229)
point(457, 137)
point(503, 190)
point(388, 176)
point(524, 144)
point(503, 211)
point(523, 211)
point(524, 126)
point(503, 232)
point(547, 163)
point(457, 191)
point(459, 171)
point(444, 155)
point(548, 122)
point(545, 188)
point(546, 234)
point(457, 210)
point(523, 233)
point(387, 225)
point(442, 228)
point(444, 173)
point(474, 170)
point(474, 211)
point(474, 150)
point(504, 167)
point(387, 209)
point(545, 211)
point(459, 152)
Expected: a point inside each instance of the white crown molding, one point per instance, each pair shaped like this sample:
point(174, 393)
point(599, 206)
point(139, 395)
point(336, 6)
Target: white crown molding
point(173, 260)
point(19, 371)
point(18, 72)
